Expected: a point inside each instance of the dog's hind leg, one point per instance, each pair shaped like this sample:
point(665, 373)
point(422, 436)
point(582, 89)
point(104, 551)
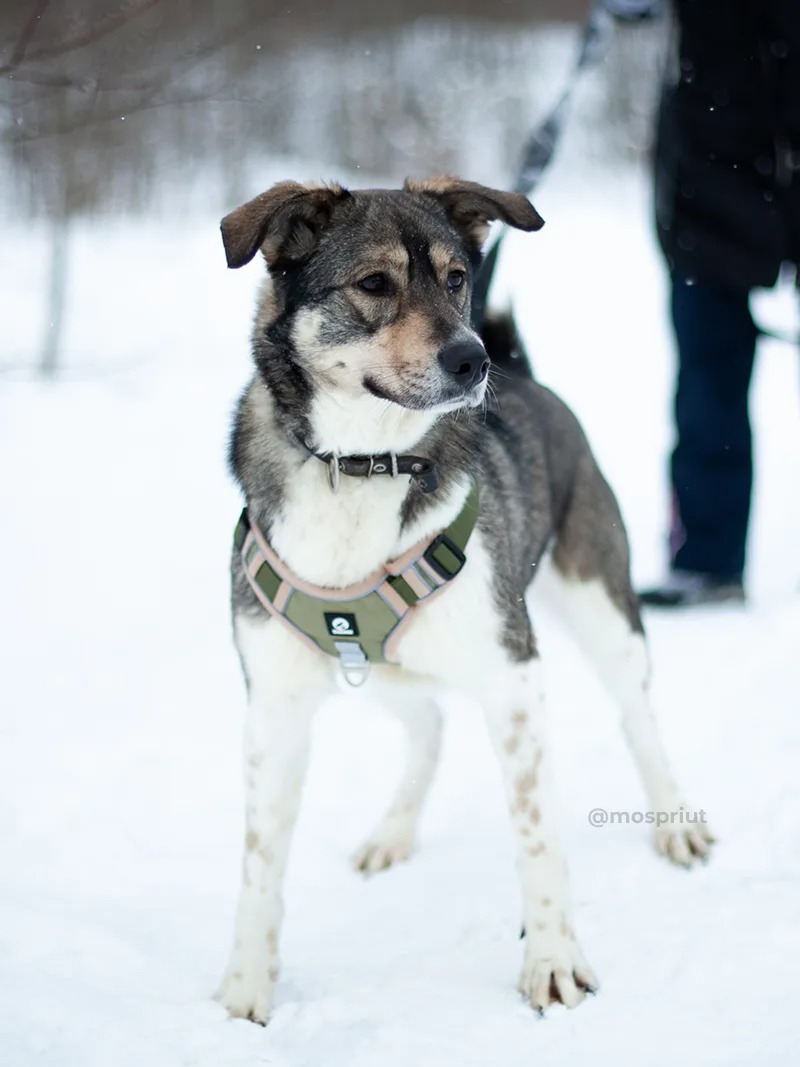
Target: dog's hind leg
point(590, 588)
point(554, 968)
point(392, 840)
point(285, 683)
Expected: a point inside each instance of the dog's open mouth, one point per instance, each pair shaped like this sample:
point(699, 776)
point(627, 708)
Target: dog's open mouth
point(470, 398)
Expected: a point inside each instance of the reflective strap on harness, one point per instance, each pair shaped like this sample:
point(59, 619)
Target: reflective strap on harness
point(356, 623)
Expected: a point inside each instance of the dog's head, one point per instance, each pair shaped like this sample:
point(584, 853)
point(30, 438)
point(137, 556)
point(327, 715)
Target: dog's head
point(372, 289)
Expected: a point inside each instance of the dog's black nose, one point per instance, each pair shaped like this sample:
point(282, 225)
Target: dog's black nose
point(466, 361)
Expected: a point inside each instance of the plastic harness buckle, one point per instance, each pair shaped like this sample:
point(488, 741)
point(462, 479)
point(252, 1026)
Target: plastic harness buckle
point(429, 555)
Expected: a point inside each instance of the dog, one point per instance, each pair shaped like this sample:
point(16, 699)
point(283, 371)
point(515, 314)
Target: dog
point(376, 422)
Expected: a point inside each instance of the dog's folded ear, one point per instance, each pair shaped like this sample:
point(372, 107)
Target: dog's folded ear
point(285, 222)
point(471, 207)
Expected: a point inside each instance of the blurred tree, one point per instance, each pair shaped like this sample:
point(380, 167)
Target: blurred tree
point(73, 73)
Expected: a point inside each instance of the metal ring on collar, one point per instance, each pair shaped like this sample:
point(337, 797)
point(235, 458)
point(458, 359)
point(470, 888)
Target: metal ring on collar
point(334, 474)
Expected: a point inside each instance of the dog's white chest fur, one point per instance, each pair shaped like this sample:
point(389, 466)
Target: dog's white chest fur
point(335, 539)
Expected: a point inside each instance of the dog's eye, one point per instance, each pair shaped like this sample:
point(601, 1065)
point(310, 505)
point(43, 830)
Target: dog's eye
point(455, 280)
point(374, 283)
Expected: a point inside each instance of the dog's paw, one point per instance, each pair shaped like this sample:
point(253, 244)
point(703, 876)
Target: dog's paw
point(562, 977)
point(391, 843)
point(684, 845)
point(246, 998)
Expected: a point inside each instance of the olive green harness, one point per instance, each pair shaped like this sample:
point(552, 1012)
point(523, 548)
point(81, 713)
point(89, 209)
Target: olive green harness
point(361, 623)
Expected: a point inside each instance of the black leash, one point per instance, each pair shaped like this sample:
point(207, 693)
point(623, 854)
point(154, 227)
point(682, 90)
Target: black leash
point(541, 145)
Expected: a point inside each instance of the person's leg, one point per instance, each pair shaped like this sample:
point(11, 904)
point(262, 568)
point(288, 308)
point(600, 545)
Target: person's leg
point(712, 466)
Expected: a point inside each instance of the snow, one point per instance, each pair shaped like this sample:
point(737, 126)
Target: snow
point(123, 706)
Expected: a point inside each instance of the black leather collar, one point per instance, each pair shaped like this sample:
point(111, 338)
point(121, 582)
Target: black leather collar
point(421, 470)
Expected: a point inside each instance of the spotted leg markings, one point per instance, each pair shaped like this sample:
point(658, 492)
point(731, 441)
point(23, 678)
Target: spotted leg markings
point(554, 969)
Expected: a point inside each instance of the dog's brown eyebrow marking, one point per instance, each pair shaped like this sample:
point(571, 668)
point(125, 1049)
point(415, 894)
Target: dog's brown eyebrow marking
point(442, 258)
point(389, 257)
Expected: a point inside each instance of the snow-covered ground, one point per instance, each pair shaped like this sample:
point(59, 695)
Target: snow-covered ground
point(122, 707)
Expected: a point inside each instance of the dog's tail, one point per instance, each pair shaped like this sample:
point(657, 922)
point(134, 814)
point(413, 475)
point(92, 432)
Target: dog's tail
point(504, 345)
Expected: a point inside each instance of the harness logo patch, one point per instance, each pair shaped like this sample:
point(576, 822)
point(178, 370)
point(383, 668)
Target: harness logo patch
point(342, 625)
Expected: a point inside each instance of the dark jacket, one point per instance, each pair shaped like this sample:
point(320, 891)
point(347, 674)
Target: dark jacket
point(728, 149)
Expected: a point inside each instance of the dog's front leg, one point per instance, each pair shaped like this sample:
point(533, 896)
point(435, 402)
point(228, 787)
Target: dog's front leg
point(393, 838)
point(554, 968)
point(285, 684)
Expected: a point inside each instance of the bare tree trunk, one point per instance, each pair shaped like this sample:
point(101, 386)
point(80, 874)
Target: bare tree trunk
point(54, 316)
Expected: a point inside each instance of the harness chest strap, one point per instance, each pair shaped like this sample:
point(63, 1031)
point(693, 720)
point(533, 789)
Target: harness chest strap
point(359, 623)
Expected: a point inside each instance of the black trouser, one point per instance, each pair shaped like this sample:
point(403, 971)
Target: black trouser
point(712, 464)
